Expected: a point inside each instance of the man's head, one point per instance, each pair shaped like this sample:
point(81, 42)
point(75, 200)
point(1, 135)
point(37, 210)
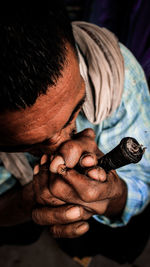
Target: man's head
point(32, 53)
point(40, 83)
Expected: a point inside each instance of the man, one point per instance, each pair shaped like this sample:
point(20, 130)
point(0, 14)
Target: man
point(46, 78)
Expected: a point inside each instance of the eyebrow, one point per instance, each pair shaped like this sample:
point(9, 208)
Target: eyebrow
point(27, 146)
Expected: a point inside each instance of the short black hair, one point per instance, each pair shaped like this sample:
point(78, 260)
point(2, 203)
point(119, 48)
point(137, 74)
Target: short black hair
point(32, 52)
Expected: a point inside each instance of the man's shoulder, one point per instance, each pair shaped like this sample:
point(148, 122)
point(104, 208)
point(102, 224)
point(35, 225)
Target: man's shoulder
point(135, 83)
point(131, 64)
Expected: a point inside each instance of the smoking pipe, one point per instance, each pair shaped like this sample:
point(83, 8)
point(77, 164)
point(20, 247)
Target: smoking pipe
point(126, 152)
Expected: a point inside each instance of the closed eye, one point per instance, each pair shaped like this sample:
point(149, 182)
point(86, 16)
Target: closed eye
point(77, 108)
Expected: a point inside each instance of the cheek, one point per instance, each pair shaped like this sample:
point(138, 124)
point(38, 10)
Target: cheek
point(54, 142)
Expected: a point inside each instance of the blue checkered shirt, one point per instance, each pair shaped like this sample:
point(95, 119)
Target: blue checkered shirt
point(130, 119)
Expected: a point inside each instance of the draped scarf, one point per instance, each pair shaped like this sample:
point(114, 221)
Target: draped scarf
point(102, 68)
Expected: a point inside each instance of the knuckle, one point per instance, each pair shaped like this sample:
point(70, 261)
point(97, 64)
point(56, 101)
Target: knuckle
point(58, 160)
point(36, 216)
point(39, 199)
point(72, 158)
point(104, 206)
point(90, 195)
point(89, 132)
point(55, 202)
point(63, 231)
point(59, 216)
point(94, 145)
point(84, 214)
point(73, 231)
point(44, 197)
point(54, 188)
point(42, 216)
point(56, 231)
point(101, 207)
point(69, 145)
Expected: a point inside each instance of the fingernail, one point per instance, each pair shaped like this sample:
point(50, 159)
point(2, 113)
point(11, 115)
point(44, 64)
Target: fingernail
point(93, 174)
point(82, 228)
point(97, 173)
point(51, 157)
point(36, 170)
point(43, 159)
point(55, 163)
point(73, 213)
point(87, 160)
point(62, 169)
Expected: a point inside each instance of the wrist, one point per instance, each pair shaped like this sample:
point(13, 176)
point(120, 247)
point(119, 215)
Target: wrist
point(117, 205)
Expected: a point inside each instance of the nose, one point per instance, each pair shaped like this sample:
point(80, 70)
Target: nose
point(65, 135)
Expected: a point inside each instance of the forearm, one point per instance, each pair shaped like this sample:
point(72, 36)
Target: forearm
point(16, 205)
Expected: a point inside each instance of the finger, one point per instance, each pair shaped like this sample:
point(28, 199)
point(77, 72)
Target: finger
point(59, 215)
point(60, 189)
point(96, 173)
point(63, 190)
point(69, 231)
point(97, 207)
point(70, 196)
point(44, 159)
point(36, 169)
point(57, 160)
point(41, 188)
point(91, 190)
point(88, 196)
point(72, 150)
point(87, 189)
point(89, 132)
point(88, 160)
point(40, 183)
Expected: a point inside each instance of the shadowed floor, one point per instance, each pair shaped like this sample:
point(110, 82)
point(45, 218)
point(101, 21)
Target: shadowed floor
point(127, 247)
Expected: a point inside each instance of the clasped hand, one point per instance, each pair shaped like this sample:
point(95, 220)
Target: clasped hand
point(70, 187)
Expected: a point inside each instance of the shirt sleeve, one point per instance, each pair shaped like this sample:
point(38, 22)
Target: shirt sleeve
point(7, 180)
point(137, 200)
point(130, 119)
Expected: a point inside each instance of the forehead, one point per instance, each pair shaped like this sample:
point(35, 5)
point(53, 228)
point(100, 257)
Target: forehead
point(50, 111)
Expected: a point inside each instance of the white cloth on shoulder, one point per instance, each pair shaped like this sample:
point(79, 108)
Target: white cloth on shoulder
point(102, 67)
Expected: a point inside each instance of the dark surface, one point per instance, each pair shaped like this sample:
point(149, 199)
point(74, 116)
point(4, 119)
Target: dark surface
point(31, 245)
point(123, 244)
point(23, 234)
point(128, 20)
